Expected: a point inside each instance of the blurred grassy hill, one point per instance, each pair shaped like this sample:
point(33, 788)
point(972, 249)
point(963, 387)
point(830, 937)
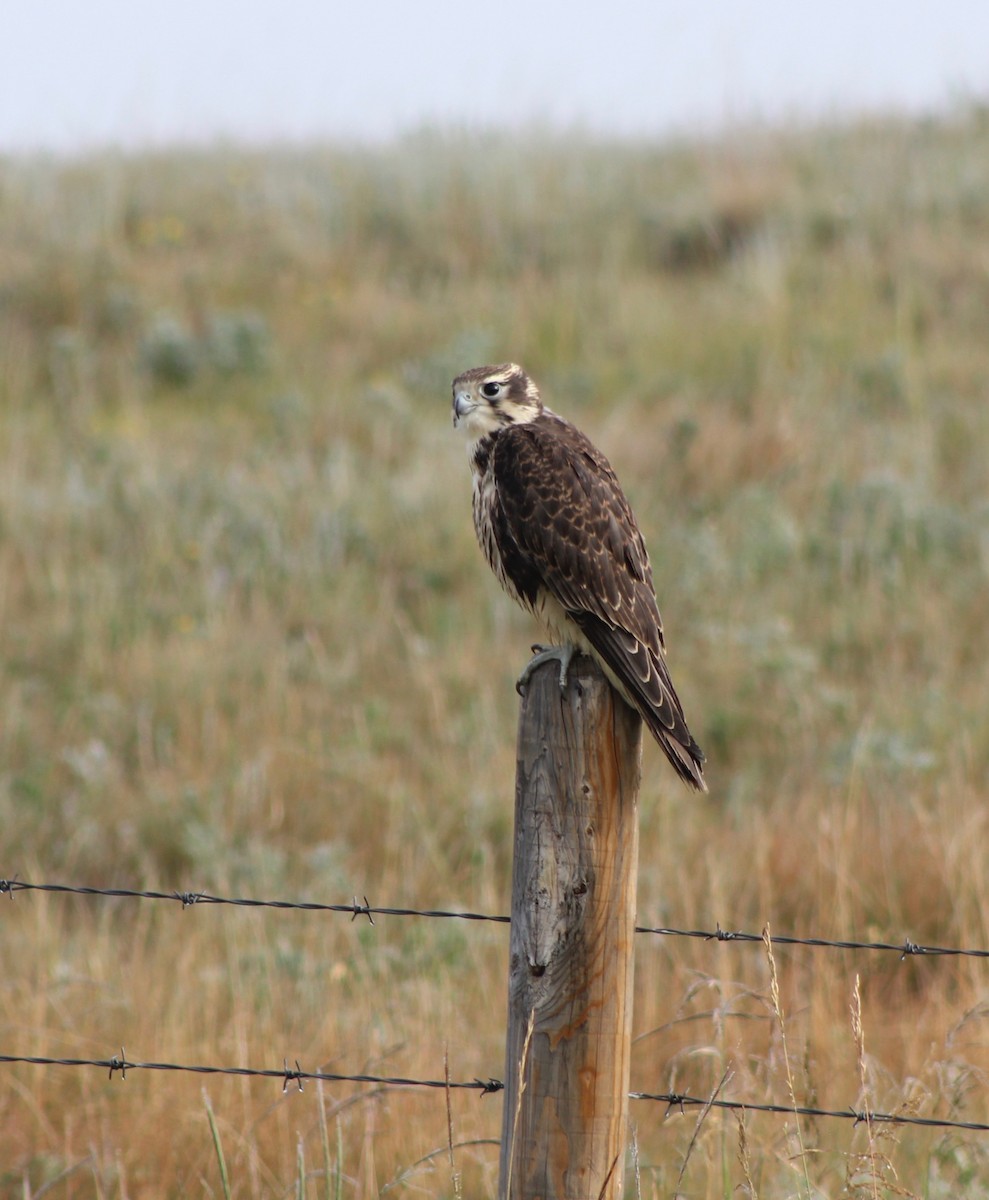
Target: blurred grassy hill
point(247, 641)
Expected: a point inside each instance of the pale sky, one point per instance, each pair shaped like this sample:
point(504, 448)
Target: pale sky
point(79, 73)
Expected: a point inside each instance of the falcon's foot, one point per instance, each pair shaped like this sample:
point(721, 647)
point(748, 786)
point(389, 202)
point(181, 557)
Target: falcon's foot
point(541, 654)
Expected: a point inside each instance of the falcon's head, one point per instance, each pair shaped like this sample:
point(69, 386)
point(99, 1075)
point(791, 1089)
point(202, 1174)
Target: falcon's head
point(485, 399)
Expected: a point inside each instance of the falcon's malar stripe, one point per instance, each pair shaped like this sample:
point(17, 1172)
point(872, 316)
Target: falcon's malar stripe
point(558, 532)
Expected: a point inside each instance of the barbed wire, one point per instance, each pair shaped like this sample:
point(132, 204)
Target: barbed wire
point(189, 899)
point(906, 949)
point(674, 1100)
point(287, 1074)
point(356, 908)
point(120, 1064)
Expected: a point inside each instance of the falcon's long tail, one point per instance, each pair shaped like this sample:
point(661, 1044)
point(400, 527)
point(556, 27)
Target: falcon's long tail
point(642, 678)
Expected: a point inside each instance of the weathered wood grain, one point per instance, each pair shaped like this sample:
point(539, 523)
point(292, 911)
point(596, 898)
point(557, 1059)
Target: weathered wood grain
point(573, 927)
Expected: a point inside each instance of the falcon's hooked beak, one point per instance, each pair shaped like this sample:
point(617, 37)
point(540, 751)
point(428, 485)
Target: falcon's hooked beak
point(463, 405)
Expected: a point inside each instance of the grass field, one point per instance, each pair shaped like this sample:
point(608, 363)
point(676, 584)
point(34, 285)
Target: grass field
point(248, 644)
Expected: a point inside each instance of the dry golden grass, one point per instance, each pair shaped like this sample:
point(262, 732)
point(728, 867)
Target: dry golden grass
point(247, 644)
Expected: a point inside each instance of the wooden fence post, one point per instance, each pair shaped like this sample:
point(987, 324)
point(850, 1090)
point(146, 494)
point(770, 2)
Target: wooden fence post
point(573, 926)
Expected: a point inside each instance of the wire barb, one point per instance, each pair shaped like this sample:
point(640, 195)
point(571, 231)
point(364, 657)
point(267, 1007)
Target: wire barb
point(297, 1075)
point(362, 910)
point(118, 1064)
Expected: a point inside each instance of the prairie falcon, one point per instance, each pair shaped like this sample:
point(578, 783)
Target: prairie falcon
point(557, 531)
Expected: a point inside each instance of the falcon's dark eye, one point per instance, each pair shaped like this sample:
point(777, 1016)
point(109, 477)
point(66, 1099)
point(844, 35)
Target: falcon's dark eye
point(490, 390)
